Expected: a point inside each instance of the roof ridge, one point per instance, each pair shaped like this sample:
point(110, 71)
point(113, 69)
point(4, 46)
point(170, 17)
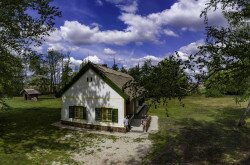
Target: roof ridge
point(112, 71)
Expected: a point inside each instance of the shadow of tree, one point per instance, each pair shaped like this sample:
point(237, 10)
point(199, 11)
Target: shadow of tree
point(23, 130)
point(217, 142)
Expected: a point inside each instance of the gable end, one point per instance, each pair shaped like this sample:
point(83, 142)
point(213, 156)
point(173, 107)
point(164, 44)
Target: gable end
point(99, 73)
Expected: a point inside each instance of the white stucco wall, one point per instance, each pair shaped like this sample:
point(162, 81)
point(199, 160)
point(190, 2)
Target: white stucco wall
point(92, 95)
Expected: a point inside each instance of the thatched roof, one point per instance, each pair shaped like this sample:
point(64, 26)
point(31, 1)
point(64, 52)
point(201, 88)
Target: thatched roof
point(115, 79)
point(30, 92)
point(119, 78)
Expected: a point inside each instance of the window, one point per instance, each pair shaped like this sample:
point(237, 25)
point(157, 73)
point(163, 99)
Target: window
point(89, 79)
point(106, 114)
point(77, 112)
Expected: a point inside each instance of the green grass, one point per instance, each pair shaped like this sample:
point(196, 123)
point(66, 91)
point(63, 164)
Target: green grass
point(204, 131)
point(27, 137)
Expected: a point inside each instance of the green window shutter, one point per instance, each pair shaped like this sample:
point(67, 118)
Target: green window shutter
point(98, 114)
point(115, 115)
point(71, 112)
point(84, 113)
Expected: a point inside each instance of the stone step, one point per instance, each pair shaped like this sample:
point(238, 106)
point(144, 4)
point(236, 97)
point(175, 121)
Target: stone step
point(136, 129)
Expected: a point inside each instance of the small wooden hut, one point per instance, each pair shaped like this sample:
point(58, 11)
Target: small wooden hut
point(30, 94)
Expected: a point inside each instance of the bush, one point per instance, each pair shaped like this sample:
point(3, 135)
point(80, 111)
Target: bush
point(213, 92)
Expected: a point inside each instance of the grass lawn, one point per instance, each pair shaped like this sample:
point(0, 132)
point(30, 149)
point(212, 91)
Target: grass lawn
point(27, 137)
point(204, 131)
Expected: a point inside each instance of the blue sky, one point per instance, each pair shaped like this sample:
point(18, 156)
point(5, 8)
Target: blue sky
point(128, 30)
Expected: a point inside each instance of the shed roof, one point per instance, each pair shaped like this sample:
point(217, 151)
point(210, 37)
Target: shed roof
point(30, 91)
point(115, 79)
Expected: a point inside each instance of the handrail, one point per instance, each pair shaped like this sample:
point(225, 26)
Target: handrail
point(146, 123)
point(130, 119)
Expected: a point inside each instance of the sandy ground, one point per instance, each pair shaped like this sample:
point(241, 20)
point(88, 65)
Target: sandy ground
point(126, 148)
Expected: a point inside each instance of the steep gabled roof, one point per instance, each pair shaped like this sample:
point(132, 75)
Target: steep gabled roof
point(30, 91)
point(114, 79)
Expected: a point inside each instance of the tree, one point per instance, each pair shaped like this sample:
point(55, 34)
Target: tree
point(66, 72)
point(115, 66)
point(11, 85)
point(53, 60)
point(40, 78)
point(123, 70)
point(160, 83)
point(227, 49)
point(20, 29)
point(166, 80)
point(135, 72)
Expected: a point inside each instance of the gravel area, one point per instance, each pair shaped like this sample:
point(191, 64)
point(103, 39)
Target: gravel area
point(126, 148)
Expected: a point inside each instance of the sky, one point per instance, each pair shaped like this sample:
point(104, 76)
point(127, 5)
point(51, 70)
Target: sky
point(129, 31)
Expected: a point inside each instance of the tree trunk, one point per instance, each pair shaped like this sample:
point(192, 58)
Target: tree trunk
point(242, 121)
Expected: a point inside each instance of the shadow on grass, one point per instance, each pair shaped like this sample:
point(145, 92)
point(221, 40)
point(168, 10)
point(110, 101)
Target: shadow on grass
point(217, 142)
point(23, 130)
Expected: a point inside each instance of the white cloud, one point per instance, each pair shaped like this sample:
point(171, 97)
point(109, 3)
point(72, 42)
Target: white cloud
point(135, 61)
point(61, 46)
point(75, 64)
point(186, 14)
point(153, 58)
point(129, 8)
point(78, 33)
point(54, 36)
point(109, 51)
point(182, 15)
point(189, 49)
point(185, 51)
point(73, 61)
point(93, 59)
point(170, 33)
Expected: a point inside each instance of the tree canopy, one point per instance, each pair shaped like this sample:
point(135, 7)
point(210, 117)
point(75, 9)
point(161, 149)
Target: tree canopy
point(226, 53)
point(23, 24)
point(161, 82)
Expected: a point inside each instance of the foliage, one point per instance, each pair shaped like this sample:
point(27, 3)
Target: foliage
point(39, 78)
point(135, 72)
point(226, 52)
point(53, 59)
point(25, 22)
point(115, 66)
point(222, 83)
point(66, 72)
point(123, 70)
point(10, 85)
point(23, 25)
point(51, 71)
point(164, 81)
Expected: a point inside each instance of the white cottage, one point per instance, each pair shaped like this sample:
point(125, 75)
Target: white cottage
point(95, 99)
